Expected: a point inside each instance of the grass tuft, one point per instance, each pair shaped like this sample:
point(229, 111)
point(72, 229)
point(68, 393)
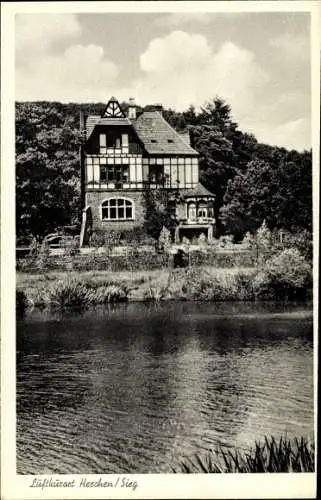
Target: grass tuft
point(270, 456)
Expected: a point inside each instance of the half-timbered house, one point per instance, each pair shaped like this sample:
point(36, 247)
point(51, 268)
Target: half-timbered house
point(123, 155)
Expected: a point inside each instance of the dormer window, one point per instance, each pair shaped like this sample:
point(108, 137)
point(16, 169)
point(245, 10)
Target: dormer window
point(112, 140)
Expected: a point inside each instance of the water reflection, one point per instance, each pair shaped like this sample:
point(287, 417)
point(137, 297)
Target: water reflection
point(131, 388)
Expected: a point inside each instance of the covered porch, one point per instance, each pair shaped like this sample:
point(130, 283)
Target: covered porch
point(194, 230)
point(196, 214)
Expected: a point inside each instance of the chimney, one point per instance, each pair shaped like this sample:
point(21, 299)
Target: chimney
point(132, 109)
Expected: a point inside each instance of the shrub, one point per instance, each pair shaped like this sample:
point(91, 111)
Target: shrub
point(71, 247)
point(42, 257)
point(286, 275)
point(207, 287)
point(202, 240)
point(248, 240)
point(68, 293)
point(109, 294)
point(72, 293)
point(164, 240)
point(155, 294)
point(300, 239)
point(225, 241)
point(263, 237)
point(270, 456)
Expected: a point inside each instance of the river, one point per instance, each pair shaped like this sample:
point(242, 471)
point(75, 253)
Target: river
point(132, 388)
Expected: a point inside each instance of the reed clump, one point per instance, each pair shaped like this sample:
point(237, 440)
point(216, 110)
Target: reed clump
point(72, 293)
point(193, 284)
point(283, 455)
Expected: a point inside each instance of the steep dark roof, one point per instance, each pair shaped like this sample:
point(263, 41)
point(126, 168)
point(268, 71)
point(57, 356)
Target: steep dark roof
point(159, 137)
point(94, 120)
point(198, 191)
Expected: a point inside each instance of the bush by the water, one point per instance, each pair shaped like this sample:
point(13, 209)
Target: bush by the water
point(286, 275)
point(271, 456)
point(205, 286)
point(71, 293)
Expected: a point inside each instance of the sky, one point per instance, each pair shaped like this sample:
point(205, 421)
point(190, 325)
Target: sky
point(258, 62)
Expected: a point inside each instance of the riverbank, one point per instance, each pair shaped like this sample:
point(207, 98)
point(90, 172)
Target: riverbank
point(159, 284)
point(286, 276)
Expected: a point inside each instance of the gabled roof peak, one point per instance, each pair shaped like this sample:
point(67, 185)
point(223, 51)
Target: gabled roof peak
point(113, 109)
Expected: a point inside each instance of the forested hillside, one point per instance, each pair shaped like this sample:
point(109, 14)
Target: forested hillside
point(253, 182)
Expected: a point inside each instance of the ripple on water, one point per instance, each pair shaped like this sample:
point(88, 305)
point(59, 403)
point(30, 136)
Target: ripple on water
point(132, 390)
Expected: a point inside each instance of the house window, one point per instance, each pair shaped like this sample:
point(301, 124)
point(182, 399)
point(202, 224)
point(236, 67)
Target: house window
point(202, 210)
point(156, 173)
point(191, 213)
point(117, 209)
point(112, 140)
point(119, 174)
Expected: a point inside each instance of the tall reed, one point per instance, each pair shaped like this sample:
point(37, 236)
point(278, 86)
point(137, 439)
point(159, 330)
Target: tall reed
point(284, 455)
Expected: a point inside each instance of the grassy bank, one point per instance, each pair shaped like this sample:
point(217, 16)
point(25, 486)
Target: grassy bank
point(137, 283)
point(283, 277)
point(284, 455)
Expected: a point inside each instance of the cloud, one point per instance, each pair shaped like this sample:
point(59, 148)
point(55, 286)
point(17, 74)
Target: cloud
point(37, 32)
point(292, 134)
point(177, 70)
point(292, 47)
point(80, 73)
point(174, 52)
point(177, 19)
point(182, 68)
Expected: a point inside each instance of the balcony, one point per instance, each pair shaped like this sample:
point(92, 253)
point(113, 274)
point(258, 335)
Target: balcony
point(197, 221)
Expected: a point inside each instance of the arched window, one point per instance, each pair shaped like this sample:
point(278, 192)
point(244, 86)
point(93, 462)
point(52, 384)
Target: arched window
point(191, 212)
point(202, 210)
point(117, 209)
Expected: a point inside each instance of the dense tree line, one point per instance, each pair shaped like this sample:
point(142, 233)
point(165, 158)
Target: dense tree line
point(252, 182)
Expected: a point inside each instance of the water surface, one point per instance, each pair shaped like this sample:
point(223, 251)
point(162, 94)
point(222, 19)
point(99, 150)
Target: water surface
point(133, 388)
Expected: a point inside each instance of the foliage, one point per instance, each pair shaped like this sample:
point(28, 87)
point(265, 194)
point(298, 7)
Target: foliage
point(277, 190)
point(72, 293)
point(299, 239)
point(158, 212)
point(204, 286)
point(252, 182)
point(155, 294)
point(248, 240)
point(42, 257)
point(109, 294)
point(225, 241)
point(47, 168)
point(286, 275)
point(284, 455)
point(263, 237)
point(164, 240)
point(202, 240)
